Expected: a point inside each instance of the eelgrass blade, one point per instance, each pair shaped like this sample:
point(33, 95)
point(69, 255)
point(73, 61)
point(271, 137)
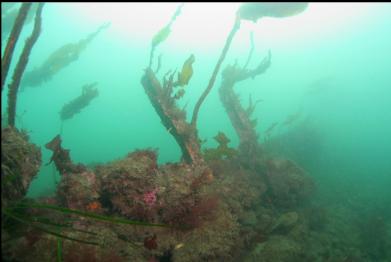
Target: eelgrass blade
point(93, 215)
point(59, 249)
point(46, 221)
point(31, 223)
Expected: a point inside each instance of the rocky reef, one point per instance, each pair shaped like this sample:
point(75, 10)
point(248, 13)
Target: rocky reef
point(212, 214)
point(217, 204)
point(20, 163)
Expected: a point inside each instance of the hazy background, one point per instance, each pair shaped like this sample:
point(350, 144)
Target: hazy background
point(331, 63)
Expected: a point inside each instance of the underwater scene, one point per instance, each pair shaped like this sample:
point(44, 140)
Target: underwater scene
point(160, 132)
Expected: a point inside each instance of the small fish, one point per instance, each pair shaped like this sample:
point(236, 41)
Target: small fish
point(187, 71)
point(255, 11)
point(93, 206)
point(180, 245)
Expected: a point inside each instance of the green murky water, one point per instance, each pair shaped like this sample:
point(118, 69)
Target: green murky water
point(328, 89)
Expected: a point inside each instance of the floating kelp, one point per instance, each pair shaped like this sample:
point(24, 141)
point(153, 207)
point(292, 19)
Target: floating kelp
point(255, 11)
point(187, 71)
point(163, 33)
point(161, 36)
point(183, 78)
point(59, 59)
point(77, 104)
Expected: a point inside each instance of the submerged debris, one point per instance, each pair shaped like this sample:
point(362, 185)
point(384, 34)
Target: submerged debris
point(172, 117)
point(238, 115)
point(61, 158)
point(289, 185)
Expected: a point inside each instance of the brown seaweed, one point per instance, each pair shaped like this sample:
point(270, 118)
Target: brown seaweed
point(88, 93)
point(9, 50)
point(59, 59)
point(21, 66)
point(255, 11)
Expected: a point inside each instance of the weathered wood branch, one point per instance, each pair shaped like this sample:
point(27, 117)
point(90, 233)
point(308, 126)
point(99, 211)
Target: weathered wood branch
point(172, 117)
point(62, 158)
point(238, 115)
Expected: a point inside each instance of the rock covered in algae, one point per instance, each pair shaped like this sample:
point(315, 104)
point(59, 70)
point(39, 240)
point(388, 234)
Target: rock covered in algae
point(213, 242)
point(249, 218)
point(20, 162)
point(239, 189)
point(38, 247)
point(276, 249)
point(184, 199)
point(285, 221)
point(127, 182)
point(289, 185)
point(80, 191)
